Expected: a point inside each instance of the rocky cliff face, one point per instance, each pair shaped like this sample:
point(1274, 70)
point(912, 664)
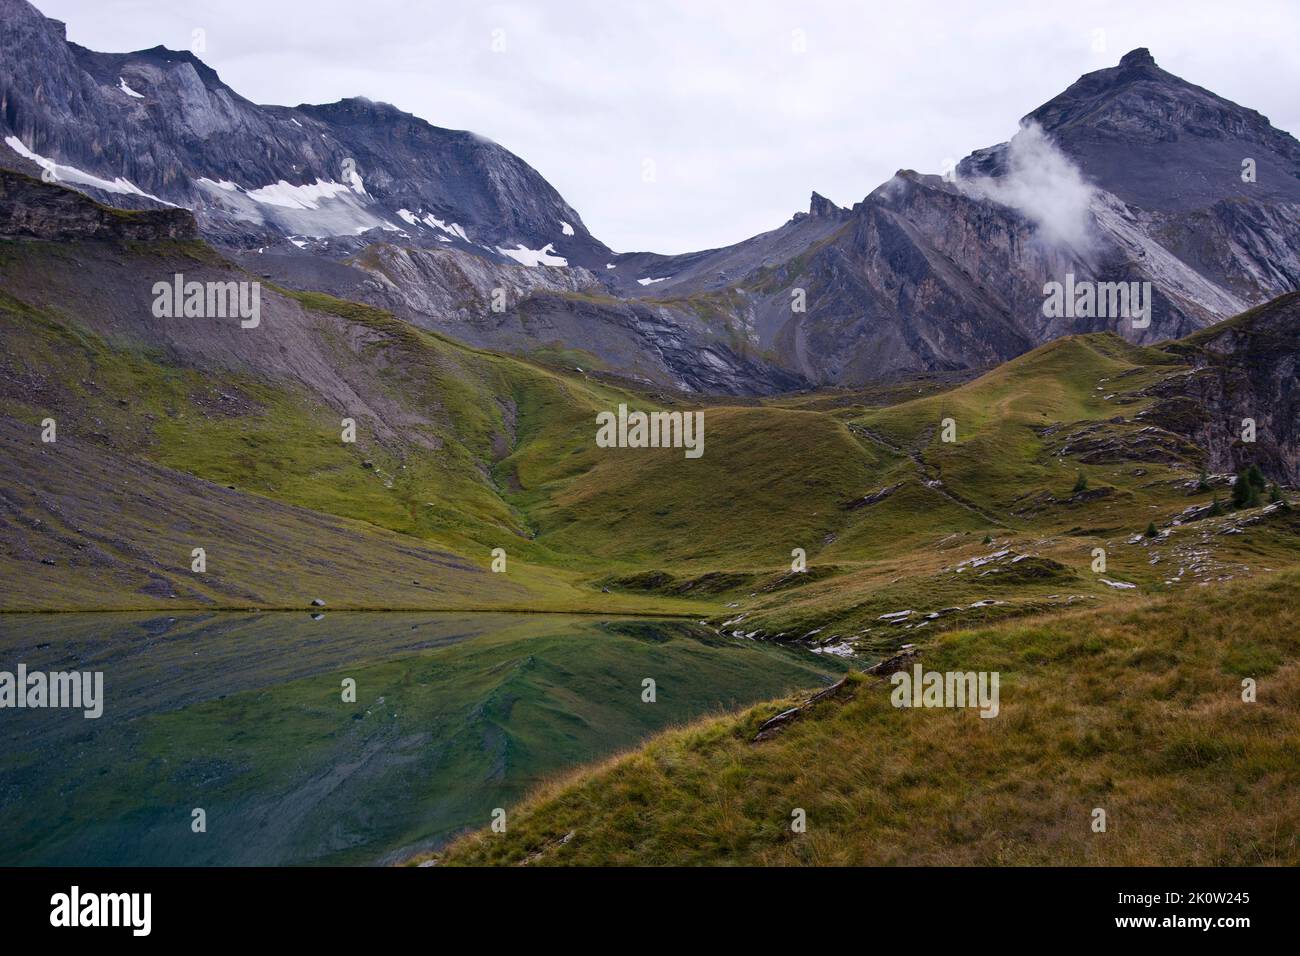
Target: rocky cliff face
point(1131, 175)
point(31, 209)
point(1246, 369)
point(1156, 141)
point(538, 311)
point(158, 124)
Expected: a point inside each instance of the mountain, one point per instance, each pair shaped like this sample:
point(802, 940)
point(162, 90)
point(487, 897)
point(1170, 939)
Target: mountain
point(177, 428)
point(372, 433)
point(161, 123)
point(1156, 141)
point(356, 196)
point(1245, 369)
point(1130, 175)
point(176, 431)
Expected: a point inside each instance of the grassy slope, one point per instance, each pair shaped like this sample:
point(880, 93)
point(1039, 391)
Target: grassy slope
point(1008, 482)
point(769, 480)
point(482, 451)
point(125, 530)
point(1136, 710)
point(470, 450)
point(440, 468)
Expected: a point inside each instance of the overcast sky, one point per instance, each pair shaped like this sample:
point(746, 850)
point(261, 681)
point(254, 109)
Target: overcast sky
point(743, 107)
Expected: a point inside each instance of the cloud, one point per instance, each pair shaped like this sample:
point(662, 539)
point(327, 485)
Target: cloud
point(1043, 185)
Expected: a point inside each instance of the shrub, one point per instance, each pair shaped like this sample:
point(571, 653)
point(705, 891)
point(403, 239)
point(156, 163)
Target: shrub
point(1245, 492)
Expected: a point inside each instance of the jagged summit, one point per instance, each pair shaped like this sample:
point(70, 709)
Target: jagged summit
point(1132, 172)
point(819, 207)
point(357, 107)
point(1162, 143)
point(1135, 59)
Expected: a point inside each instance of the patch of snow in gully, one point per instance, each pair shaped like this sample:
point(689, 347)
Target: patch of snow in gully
point(71, 174)
point(544, 256)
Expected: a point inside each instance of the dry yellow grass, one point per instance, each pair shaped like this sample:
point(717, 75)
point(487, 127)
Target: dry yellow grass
point(1135, 709)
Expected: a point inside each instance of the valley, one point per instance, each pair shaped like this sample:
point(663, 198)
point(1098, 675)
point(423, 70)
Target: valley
point(298, 403)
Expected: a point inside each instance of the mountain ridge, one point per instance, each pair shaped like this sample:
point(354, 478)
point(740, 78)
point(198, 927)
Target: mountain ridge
point(1131, 174)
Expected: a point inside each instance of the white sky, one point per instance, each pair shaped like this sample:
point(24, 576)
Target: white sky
point(740, 125)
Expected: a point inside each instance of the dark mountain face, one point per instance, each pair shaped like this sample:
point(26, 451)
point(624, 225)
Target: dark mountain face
point(31, 209)
point(1158, 142)
point(1131, 175)
point(1246, 369)
point(160, 122)
point(356, 198)
point(331, 193)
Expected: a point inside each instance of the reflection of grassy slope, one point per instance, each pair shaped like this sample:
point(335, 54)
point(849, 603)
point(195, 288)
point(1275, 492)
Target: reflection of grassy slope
point(1136, 710)
point(461, 729)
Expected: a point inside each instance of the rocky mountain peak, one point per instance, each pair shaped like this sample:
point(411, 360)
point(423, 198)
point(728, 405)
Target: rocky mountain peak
point(356, 109)
point(1131, 126)
point(159, 127)
point(1137, 59)
point(819, 207)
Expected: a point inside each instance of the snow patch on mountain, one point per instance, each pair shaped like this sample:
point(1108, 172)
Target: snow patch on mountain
point(224, 184)
point(316, 210)
point(122, 85)
point(289, 196)
point(355, 183)
point(544, 256)
point(448, 227)
point(71, 174)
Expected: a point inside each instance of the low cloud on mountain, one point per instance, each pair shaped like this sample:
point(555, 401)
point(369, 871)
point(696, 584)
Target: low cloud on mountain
point(1047, 188)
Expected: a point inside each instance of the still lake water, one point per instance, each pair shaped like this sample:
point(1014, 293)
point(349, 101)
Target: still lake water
point(243, 716)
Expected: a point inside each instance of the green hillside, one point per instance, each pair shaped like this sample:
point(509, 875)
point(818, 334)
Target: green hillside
point(459, 451)
point(1136, 711)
